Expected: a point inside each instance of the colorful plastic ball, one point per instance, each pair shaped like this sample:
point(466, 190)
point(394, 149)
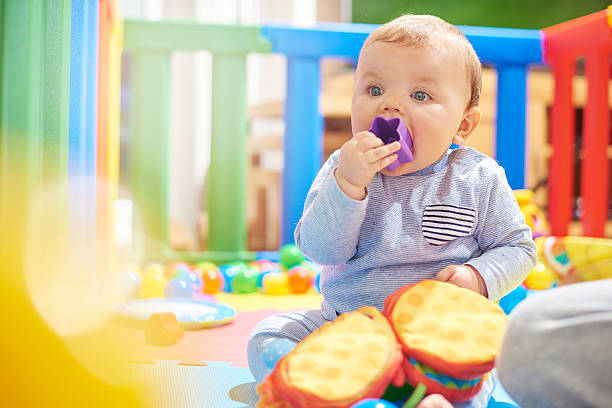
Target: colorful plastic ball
point(275, 284)
point(540, 278)
point(263, 265)
point(275, 350)
point(260, 277)
point(245, 281)
point(129, 284)
point(290, 255)
point(229, 271)
point(300, 279)
point(194, 279)
point(176, 269)
point(213, 281)
point(153, 266)
point(179, 288)
point(373, 403)
point(153, 283)
point(509, 302)
point(203, 267)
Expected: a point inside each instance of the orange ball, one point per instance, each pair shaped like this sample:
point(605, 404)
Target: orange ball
point(211, 277)
point(300, 279)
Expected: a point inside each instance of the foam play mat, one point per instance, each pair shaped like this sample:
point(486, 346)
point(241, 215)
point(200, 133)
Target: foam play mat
point(208, 367)
point(172, 384)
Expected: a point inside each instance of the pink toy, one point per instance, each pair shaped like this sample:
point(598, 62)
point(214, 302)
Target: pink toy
point(394, 130)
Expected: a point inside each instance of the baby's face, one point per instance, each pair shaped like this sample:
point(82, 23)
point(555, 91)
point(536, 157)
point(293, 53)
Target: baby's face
point(427, 88)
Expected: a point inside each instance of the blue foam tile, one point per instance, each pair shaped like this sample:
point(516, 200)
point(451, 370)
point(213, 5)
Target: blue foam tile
point(217, 385)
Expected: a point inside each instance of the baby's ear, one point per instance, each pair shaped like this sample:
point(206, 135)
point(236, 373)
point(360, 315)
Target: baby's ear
point(470, 122)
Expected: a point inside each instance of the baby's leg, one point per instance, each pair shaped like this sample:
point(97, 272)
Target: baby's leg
point(294, 326)
point(556, 349)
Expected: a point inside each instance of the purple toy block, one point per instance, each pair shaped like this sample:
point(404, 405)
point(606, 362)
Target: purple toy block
point(392, 130)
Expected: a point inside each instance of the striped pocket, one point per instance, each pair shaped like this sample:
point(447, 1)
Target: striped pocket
point(443, 223)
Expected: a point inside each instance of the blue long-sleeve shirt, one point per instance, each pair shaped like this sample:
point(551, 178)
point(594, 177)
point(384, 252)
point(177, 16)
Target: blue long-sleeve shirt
point(459, 210)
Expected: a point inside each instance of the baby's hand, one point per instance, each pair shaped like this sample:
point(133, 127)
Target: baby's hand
point(464, 276)
point(434, 401)
point(360, 158)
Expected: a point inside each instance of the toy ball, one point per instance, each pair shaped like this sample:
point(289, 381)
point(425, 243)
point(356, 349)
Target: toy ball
point(300, 278)
point(201, 268)
point(213, 280)
point(129, 284)
point(176, 269)
point(540, 278)
point(263, 265)
point(373, 403)
point(153, 266)
point(229, 271)
point(245, 281)
point(194, 279)
point(290, 255)
point(153, 283)
point(509, 302)
point(275, 284)
point(179, 288)
point(261, 276)
point(275, 350)
point(317, 282)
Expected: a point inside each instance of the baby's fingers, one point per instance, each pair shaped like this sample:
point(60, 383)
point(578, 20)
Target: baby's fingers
point(374, 155)
point(386, 161)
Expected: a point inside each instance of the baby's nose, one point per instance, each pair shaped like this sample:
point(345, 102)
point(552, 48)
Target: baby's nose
point(392, 105)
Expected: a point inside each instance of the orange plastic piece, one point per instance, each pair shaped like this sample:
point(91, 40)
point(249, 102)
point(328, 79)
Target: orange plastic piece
point(163, 329)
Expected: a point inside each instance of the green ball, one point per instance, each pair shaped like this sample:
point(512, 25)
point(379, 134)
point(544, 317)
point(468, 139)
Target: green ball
point(290, 256)
point(245, 281)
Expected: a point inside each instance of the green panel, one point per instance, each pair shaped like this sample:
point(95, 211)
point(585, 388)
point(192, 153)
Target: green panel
point(20, 125)
point(55, 105)
point(227, 171)
point(56, 89)
point(142, 35)
point(149, 157)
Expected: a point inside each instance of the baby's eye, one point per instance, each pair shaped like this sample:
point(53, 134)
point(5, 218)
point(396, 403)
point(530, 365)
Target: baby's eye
point(421, 96)
point(375, 91)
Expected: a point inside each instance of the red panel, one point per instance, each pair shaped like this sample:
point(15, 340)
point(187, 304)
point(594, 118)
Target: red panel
point(576, 35)
point(561, 168)
point(595, 167)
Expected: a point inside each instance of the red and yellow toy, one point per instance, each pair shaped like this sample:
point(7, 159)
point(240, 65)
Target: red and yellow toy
point(431, 334)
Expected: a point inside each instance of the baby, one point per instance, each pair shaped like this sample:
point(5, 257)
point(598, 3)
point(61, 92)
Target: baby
point(448, 215)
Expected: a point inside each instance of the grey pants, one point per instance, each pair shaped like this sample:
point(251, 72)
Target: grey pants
point(295, 326)
point(557, 349)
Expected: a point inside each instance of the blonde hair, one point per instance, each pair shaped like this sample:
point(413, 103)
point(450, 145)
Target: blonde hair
point(421, 30)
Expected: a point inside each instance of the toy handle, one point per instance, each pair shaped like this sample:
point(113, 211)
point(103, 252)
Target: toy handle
point(416, 397)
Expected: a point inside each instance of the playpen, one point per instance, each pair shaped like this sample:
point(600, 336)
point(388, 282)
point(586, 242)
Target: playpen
point(59, 116)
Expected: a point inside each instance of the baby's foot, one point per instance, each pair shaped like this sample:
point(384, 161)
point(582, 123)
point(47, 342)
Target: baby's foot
point(434, 401)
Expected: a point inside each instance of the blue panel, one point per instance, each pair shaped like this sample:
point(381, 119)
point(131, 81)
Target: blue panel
point(77, 127)
point(510, 126)
point(339, 40)
point(83, 126)
point(303, 140)
point(493, 45)
point(501, 46)
point(92, 87)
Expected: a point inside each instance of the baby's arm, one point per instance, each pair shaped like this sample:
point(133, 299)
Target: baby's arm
point(335, 205)
point(509, 252)
point(329, 227)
